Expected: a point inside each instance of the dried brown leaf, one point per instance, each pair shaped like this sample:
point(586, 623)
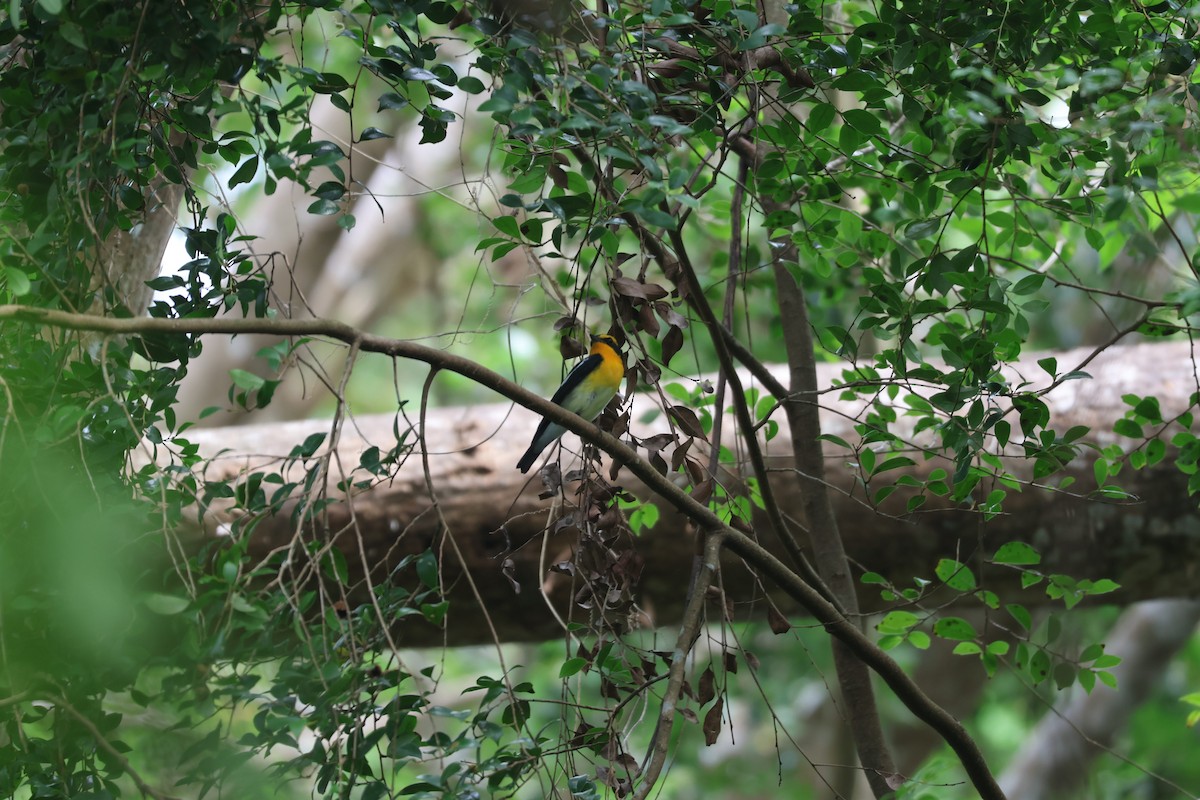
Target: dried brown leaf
point(687, 419)
point(778, 622)
point(672, 343)
point(708, 689)
point(712, 722)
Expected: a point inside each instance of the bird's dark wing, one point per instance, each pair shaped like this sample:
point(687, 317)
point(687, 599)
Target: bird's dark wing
point(576, 376)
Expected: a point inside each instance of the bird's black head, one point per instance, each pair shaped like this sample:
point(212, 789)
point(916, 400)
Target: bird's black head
point(608, 339)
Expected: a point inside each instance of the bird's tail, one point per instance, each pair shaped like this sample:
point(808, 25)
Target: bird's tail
point(544, 437)
point(527, 460)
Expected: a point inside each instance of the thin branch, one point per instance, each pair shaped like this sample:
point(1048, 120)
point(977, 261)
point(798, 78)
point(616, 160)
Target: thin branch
point(19, 697)
point(754, 554)
point(830, 553)
point(689, 630)
point(146, 789)
point(949, 728)
point(696, 299)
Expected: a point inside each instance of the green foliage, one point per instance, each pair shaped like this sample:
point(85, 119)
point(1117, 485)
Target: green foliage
point(932, 215)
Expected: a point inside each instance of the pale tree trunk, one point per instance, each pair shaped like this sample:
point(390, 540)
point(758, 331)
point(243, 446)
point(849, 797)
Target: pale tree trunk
point(384, 265)
point(127, 259)
point(1054, 762)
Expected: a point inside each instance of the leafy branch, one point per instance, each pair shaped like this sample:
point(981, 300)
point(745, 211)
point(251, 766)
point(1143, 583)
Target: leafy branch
point(710, 525)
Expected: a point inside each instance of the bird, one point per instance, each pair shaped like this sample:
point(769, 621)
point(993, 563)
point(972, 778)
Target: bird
point(586, 391)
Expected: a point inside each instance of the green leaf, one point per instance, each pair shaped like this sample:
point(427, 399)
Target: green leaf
point(1103, 586)
point(1021, 615)
point(435, 613)
point(324, 208)
point(166, 604)
point(377, 790)
point(330, 190)
point(922, 228)
point(372, 133)
point(336, 566)
point(246, 380)
point(1064, 675)
point(1002, 430)
point(1100, 470)
point(508, 226)
point(571, 666)
point(470, 85)
point(1029, 284)
point(895, 462)
point(1127, 428)
point(1075, 432)
point(427, 569)
point(1016, 553)
point(919, 639)
point(18, 282)
point(309, 446)
point(954, 628)
point(955, 575)
point(820, 116)
point(1039, 666)
point(73, 34)
point(392, 101)
point(1147, 408)
point(897, 622)
point(829, 437)
point(863, 121)
point(245, 173)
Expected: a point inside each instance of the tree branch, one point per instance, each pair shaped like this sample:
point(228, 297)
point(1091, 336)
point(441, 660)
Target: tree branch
point(146, 789)
point(689, 630)
point(1053, 761)
point(836, 624)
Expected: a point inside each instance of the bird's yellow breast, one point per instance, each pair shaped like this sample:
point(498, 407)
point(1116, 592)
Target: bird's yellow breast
point(589, 397)
point(612, 368)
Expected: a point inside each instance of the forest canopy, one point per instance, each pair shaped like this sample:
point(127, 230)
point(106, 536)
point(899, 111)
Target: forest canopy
point(904, 296)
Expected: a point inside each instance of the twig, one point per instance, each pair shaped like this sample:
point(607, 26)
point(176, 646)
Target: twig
point(146, 789)
point(689, 629)
point(812, 600)
point(779, 526)
point(828, 550)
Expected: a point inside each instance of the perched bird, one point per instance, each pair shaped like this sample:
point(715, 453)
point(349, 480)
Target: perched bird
point(586, 391)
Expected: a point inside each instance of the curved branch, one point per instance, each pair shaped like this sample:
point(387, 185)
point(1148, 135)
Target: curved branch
point(738, 397)
point(689, 629)
point(833, 621)
point(104, 744)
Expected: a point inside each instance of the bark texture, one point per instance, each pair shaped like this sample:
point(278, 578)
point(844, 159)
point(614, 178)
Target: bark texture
point(1150, 546)
point(1054, 763)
